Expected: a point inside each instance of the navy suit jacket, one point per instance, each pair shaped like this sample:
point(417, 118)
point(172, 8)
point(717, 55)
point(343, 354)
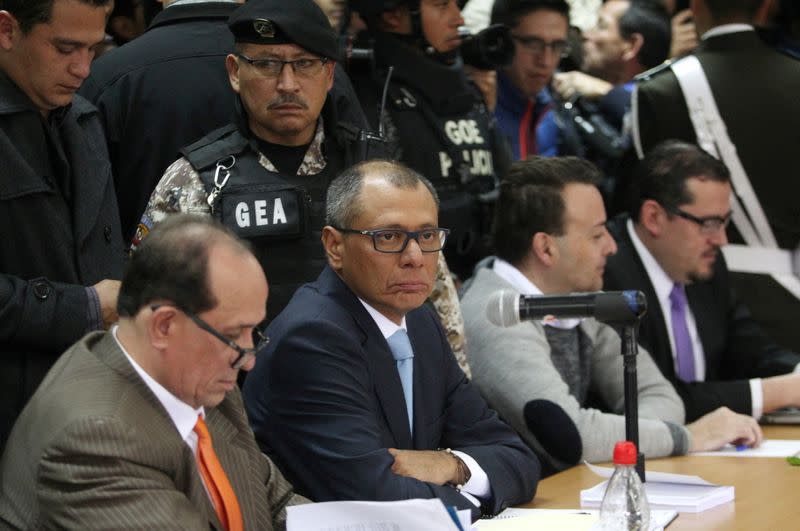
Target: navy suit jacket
point(735, 347)
point(325, 401)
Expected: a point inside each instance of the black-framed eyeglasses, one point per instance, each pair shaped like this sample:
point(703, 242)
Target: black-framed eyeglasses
point(245, 354)
point(304, 67)
point(707, 224)
point(396, 240)
point(538, 46)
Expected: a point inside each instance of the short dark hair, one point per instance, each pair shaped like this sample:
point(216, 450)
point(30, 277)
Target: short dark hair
point(172, 264)
point(342, 205)
point(31, 12)
point(724, 8)
point(509, 12)
point(530, 201)
point(662, 175)
point(650, 19)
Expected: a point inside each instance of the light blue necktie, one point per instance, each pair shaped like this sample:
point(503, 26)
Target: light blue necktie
point(404, 357)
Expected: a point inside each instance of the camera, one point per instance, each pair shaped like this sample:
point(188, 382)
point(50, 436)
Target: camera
point(489, 49)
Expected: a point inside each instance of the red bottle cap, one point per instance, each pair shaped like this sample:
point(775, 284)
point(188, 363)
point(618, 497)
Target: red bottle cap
point(624, 453)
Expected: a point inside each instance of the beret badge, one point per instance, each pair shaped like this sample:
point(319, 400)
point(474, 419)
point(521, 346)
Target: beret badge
point(264, 28)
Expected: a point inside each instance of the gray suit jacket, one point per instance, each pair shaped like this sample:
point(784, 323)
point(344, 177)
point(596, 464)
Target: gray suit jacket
point(512, 366)
point(95, 449)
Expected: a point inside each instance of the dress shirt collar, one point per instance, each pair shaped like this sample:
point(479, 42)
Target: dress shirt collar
point(525, 286)
point(662, 284)
point(725, 29)
point(187, 2)
point(183, 416)
point(386, 326)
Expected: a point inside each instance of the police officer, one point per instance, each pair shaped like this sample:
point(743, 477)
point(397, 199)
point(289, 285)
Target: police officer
point(435, 121)
point(296, 127)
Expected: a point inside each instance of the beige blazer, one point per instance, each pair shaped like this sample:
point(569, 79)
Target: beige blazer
point(95, 449)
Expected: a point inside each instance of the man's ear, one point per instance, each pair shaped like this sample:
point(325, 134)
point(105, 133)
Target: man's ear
point(633, 46)
point(161, 326)
point(397, 20)
point(652, 217)
point(545, 249)
point(232, 66)
point(9, 30)
point(333, 242)
point(330, 71)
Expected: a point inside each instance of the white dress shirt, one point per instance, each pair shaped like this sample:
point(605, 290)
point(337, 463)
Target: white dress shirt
point(523, 284)
point(662, 285)
point(478, 485)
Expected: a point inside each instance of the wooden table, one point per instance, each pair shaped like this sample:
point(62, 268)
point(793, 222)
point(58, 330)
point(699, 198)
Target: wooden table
point(767, 489)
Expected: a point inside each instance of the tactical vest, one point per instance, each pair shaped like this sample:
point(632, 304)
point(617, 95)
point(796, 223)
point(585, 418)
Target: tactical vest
point(282, 216)
point(456, 152)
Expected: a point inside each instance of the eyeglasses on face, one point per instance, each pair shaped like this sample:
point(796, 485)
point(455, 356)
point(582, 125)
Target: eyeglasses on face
point(305, 67)
point(707, 224)
point(396, 240)
point(245, 354)
point(538, 46)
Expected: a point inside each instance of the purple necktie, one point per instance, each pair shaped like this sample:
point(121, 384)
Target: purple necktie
point(680, 332)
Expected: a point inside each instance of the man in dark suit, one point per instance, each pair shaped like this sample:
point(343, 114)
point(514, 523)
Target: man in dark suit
point(360, 381)
point(755, 89)
point(127, 427)
point(703, 340)
point(61, 252)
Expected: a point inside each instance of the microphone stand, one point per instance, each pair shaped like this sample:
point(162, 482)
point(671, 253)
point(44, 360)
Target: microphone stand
point(630, 349)
point(627, 326)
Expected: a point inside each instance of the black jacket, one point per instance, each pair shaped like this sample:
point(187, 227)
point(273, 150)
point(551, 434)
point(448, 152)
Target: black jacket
point(51, 247)
point(437, 124)
point(735, 347)
point(160, 92)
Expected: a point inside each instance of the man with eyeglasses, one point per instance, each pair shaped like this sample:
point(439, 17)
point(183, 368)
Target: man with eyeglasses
point(702, 338)
point(358, 396)
point(265, 175)
point(539, 29)
point(143, 427)
point(551, 238)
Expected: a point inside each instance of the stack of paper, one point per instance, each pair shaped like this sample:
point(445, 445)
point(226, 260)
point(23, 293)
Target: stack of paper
point(685, 494)
point(561, 519)
point(406, 515)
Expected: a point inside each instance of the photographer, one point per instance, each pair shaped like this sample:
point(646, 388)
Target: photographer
point(436, 121)
point(630, 37)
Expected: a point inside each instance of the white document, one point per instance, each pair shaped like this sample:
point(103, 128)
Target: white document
point(685, 494)
point(768, 448)
point(405, 515)
point(561, 519)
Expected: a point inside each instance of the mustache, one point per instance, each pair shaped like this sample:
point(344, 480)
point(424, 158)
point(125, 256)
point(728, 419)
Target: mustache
point(283, 99)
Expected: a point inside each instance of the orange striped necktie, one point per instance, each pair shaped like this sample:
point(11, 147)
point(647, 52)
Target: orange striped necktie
point(217, 484)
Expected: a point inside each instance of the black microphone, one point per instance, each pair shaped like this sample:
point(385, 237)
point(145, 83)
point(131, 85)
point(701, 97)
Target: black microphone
point(554, 430)
point(507, 307)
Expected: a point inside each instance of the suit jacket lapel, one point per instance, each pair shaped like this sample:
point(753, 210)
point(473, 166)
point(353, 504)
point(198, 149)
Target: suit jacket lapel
point(654, 324)
point(382, 365)
point(190, 483)
point(91, 172)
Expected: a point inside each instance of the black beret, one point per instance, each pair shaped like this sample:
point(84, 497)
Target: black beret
point(299, 22)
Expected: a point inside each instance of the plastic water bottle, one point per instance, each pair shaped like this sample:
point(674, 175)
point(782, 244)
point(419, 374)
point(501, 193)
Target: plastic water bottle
point(625, 506)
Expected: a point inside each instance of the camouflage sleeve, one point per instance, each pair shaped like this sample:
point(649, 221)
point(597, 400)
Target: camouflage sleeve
point(445, 299)
point(180, 190)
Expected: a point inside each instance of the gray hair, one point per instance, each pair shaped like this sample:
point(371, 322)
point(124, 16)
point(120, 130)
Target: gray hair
point(343, 205)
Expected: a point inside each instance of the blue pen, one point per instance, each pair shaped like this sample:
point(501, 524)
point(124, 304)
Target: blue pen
point(741, 447)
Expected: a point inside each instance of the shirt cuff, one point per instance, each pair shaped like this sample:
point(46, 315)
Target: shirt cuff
point(478, 484)
point(94, 320)
point(796, 368)
point(756, 398)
